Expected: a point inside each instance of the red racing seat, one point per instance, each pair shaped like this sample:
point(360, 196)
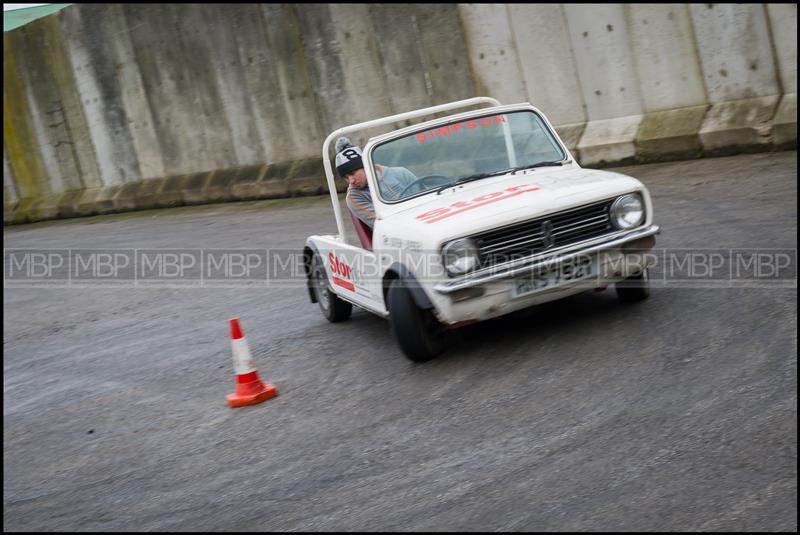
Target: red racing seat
point(363, 231)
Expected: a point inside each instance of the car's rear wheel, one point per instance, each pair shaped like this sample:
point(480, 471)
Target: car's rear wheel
point(333, 308)
point(635, 288)
point(420, 335)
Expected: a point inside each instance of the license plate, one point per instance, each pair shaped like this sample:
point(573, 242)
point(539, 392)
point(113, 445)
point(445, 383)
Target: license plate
point(565, 273)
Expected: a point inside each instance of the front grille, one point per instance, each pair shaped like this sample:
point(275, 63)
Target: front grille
point(532, 237)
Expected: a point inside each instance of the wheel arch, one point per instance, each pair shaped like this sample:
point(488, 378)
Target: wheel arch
point(308, 254)
point(400, 271)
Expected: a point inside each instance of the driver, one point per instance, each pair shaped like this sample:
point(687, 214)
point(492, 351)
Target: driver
point(393, 180)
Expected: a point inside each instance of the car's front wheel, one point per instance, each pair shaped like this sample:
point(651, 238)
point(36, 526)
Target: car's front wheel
point(333, 308)
point(420, 335)
point(635, 288)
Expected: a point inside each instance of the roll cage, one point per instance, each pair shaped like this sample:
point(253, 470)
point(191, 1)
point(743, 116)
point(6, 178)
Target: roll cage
point(380, 122)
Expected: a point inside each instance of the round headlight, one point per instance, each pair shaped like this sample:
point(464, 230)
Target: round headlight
point(460, 256)
point(627, 211)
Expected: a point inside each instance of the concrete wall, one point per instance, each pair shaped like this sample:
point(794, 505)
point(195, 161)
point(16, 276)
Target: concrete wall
point(111, 107)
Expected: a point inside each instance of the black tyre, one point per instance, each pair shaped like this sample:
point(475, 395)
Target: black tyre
point(333, 308)
point(417, 331)
point(636, 288)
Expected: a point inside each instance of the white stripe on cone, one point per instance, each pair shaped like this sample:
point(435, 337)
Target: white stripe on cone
point(242, 359)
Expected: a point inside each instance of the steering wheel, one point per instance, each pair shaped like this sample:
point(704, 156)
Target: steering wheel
point(423, 183)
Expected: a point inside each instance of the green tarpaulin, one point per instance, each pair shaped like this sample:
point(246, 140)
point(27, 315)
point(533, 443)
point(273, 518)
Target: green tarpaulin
point(14, 18)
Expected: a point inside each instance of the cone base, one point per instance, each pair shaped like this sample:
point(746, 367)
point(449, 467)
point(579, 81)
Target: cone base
point(240, 400)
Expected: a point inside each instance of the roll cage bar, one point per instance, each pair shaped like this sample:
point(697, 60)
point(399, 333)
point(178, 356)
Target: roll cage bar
point(387, 120)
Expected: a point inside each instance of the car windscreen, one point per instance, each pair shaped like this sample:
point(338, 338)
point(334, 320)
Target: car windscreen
point(427, 160)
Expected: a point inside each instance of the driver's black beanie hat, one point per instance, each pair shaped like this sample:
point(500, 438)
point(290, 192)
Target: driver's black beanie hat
point(348, 157)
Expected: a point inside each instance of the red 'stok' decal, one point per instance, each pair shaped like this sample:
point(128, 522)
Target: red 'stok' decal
point(462, 206)
point(342, 273)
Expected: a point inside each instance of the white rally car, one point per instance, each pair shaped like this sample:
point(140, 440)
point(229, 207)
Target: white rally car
point(500, 218)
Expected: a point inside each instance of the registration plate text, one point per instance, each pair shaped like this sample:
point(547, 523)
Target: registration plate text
point(566, 272)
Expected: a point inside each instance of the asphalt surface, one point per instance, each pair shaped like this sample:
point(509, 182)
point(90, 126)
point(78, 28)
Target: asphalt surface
point(677, 413)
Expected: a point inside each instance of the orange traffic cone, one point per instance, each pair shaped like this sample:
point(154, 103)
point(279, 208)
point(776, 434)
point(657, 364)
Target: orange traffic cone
point(249, 388)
